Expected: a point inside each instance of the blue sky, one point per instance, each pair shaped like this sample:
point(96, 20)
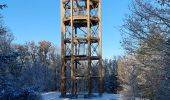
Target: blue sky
point(36, 20)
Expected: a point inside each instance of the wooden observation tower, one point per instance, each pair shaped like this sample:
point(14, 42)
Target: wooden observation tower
point(81, 43)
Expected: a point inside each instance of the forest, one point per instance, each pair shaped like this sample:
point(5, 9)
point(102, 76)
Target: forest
point(27, 70)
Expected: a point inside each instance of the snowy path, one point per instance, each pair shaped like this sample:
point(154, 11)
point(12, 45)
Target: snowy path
point(55, 96)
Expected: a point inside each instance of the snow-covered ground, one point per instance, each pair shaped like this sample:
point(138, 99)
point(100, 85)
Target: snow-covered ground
point(56, 96)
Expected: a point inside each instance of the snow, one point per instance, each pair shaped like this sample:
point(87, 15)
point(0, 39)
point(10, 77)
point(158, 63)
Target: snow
point(56, 96)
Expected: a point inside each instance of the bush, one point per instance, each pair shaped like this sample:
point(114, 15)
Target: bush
point(20, 94)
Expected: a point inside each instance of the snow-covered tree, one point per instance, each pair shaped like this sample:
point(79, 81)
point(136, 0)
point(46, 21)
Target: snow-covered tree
point(147, 30)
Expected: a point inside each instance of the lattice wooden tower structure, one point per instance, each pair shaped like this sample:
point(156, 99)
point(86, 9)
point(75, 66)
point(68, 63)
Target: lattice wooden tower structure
point(81, 44)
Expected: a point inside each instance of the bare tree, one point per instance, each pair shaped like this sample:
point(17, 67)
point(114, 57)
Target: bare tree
point(146, 32)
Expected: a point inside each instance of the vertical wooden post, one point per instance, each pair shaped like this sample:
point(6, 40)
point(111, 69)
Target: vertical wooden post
point(100, 68)
point(89, 47)
point(63, 45)
point(72, 49)
point(75, 72)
